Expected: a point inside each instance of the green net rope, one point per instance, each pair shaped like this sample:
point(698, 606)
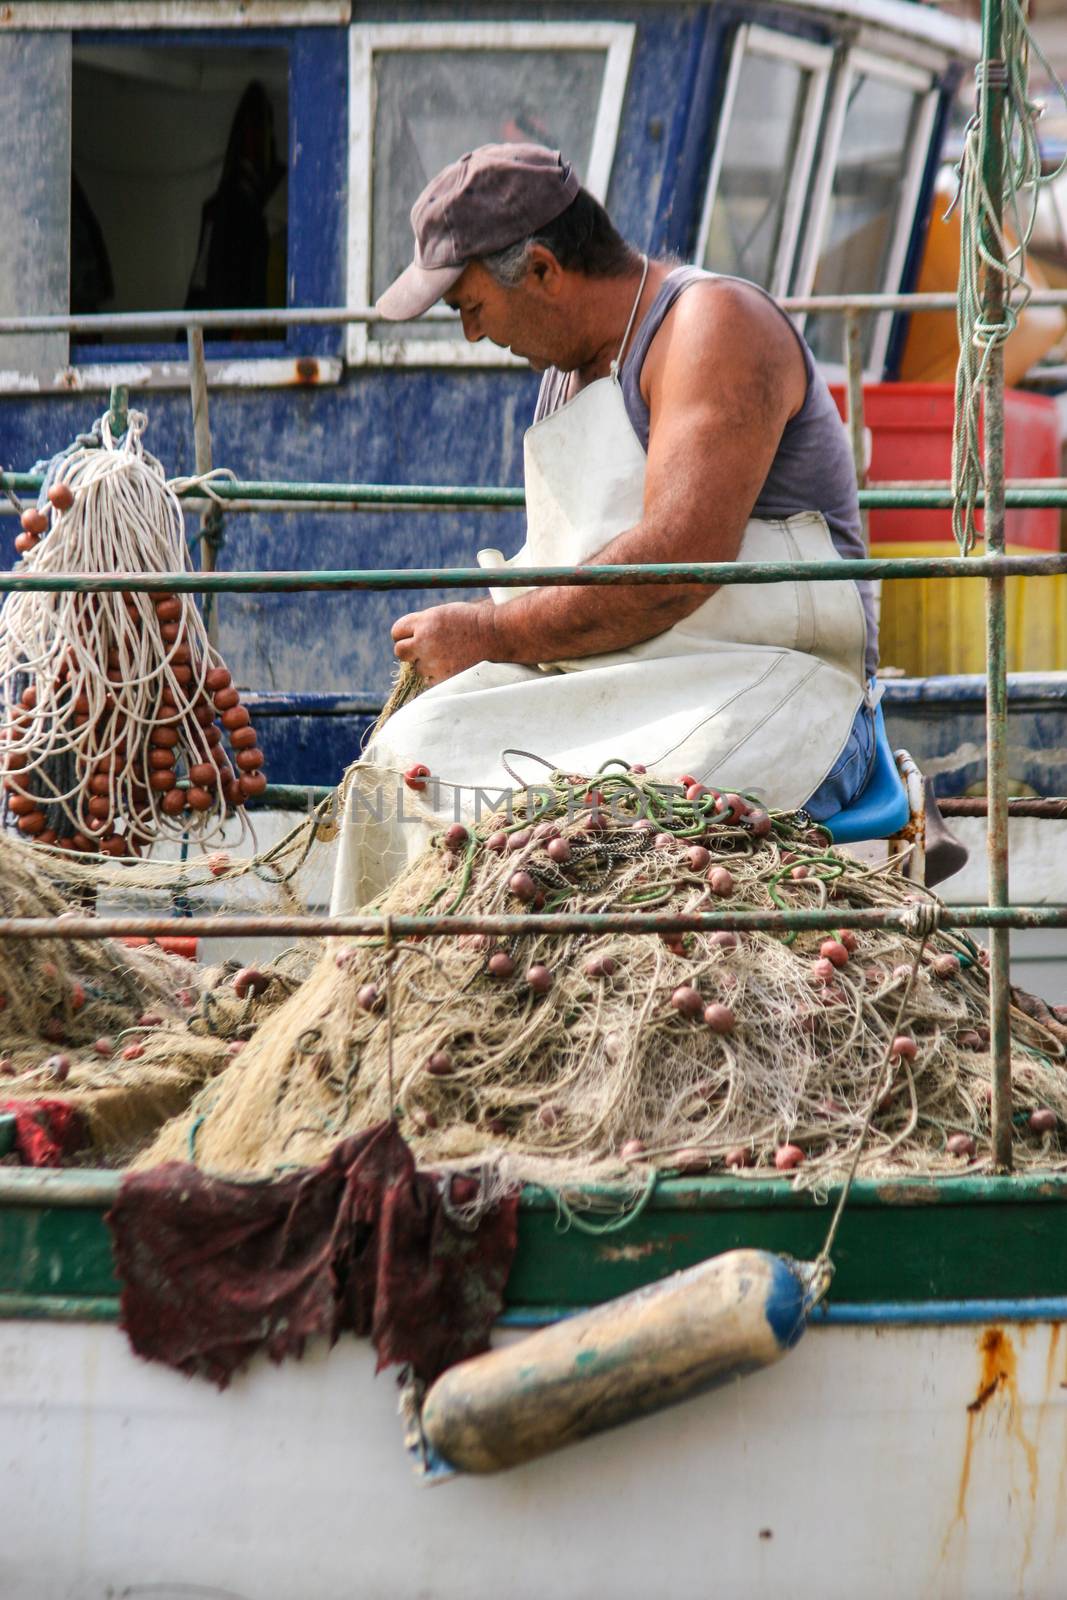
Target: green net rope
point(991, 246)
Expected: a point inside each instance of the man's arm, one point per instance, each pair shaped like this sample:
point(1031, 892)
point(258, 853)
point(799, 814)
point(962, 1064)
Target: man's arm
point(722, 378)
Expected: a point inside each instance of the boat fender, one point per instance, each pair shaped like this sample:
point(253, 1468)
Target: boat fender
point(634, 1355)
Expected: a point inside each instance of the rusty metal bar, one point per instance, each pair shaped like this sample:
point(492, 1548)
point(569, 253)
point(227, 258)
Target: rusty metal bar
point(1022, 806)
point(884, 496)
point(903, 919)
point(282, 495)
point(854, 392)
point(992, 81)
point(211, 519)
point(701, 572)
point(332, 316)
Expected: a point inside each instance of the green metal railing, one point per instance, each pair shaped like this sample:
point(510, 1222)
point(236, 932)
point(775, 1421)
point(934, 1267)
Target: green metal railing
point(225, 494)
point(453, 497)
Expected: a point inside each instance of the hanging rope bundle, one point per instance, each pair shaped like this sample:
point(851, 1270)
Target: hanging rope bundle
point(118, 706)
point(986, 247)
point(565, 1058)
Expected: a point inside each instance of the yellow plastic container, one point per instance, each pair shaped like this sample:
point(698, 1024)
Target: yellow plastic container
point(937, 625)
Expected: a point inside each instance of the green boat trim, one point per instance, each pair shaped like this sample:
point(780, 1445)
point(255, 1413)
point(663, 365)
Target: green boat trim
point(907, 1240)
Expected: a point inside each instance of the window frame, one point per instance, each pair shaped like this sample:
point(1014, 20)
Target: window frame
point(924, 82)
point(811, 56)
point(303, 354)
point(365, 40)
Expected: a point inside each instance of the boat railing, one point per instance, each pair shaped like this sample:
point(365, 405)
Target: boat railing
point(998, 915)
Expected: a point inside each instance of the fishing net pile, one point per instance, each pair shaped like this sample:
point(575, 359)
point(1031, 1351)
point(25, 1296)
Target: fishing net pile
point(126, 1035)
point(117, 707)
point(567, 1058)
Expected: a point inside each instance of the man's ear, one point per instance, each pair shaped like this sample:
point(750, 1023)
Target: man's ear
point(544, 270)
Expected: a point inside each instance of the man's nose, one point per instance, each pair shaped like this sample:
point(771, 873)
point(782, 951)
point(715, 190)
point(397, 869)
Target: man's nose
point(471, 331)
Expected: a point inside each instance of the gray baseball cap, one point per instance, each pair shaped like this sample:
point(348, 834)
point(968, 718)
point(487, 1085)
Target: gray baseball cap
point(490, 198)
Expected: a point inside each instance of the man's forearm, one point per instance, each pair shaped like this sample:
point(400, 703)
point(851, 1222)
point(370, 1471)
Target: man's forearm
point(555, 624)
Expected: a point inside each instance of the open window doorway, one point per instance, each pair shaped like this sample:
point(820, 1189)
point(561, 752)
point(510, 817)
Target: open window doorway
point(178, 179)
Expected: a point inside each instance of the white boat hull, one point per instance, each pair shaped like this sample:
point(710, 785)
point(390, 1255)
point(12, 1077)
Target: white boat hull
point(872, 1461)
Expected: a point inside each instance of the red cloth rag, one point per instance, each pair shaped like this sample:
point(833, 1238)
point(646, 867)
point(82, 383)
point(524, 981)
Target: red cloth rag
point(46, 1130)
point(214, 1270)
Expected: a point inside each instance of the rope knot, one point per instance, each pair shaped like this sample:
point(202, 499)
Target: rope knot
point(921, 920)
point(992, 74)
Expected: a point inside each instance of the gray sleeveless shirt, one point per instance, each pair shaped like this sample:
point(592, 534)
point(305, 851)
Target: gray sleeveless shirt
point(812, 469)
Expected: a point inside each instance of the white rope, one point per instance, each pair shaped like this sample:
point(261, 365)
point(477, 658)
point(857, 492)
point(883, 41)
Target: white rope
point(112, 698)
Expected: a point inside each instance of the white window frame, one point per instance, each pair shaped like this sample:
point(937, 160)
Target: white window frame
point(365, 39)
point(142, 16)
point(818, 60)
point(127, 16)
point(922, 82)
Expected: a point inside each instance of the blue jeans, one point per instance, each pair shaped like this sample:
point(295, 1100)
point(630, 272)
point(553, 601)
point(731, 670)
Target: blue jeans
point(849, 773)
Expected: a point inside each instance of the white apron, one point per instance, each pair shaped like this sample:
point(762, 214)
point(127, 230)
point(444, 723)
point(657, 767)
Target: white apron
point(756, 690)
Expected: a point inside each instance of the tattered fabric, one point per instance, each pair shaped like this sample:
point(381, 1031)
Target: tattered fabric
point(46, 1130)
point(215, 1270)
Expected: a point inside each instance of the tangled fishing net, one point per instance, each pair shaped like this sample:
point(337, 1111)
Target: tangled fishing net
point(126, 1035)
point(568, 1058)
point(117, 707)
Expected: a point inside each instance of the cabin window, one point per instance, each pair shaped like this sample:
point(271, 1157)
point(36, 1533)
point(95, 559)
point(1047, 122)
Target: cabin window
point(423, 95)
point(173, 171)
point(178, 180)
point(883, 116)
point(769, 122)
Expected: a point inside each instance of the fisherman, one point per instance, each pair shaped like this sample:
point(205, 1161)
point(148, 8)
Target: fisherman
point(681, 418)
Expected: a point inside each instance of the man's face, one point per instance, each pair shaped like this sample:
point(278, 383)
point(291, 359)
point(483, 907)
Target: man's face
point(524, 320)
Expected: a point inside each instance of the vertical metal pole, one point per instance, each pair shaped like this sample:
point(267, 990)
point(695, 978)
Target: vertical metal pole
point(857, 430)
point(118, 409)
point(210, 520)
point(991, 91)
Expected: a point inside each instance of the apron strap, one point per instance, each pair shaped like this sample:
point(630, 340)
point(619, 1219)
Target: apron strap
point(616, 364)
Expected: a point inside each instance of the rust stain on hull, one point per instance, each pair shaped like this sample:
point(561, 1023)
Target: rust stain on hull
point(1050, 1360)
point(998, 1384)
point(639, 1252)
point(629, 1252)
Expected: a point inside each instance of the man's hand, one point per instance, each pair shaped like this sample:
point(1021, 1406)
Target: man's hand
point(444, 640)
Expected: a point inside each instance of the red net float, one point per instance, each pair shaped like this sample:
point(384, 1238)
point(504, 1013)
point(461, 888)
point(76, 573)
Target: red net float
point(34, 521)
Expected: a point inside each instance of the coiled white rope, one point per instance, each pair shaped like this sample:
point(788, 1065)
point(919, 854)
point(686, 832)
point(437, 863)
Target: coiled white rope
point(117, 703)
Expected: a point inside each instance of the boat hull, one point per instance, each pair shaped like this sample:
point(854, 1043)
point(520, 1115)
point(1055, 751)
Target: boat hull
point(882, 1460)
